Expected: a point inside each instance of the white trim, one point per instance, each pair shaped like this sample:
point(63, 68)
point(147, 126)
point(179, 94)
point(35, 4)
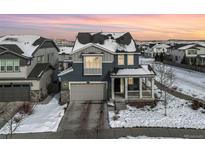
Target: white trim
point(90, 45)
point(70, 69)
point(86, 82)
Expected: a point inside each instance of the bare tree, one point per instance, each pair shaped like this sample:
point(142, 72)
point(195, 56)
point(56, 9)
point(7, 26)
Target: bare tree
point(166, 77)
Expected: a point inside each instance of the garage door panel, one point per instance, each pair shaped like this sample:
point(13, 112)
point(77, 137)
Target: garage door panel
point(91, 91)
point(9, 93)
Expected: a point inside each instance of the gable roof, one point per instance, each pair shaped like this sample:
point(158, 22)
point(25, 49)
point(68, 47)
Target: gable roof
point(25, 45)
point(112, 41)
point(176, 46)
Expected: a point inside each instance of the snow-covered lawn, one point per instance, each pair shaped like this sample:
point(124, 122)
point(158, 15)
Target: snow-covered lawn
point(186, 81)
point(45, 118)
point(145, 137)
point(190, 82)
point(179, 115)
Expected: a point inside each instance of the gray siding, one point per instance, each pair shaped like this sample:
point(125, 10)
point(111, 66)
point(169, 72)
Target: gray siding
point(107, 57)
point(8, 55)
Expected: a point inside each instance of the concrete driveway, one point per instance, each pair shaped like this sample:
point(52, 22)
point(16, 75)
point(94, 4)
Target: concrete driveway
point(85, 116)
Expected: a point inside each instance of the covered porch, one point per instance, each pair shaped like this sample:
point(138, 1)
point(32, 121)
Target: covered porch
point(132, 84)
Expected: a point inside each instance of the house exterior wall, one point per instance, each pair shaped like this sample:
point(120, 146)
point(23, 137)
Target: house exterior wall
point(179, 54)
point(45, 80)
point(53, 57)
point(23, 66)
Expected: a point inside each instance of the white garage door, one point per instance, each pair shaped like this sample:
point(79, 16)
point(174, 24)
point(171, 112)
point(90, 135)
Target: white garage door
point(91, 91)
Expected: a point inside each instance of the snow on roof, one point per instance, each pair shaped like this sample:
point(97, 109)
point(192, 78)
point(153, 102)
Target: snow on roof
point(110, 44)
point(24, 42)
point(161, 46)
point(186, 47)
point(144, 70)
point(65, 50)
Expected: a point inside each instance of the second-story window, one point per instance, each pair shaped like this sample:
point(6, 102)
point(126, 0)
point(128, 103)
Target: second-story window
point(121, 59)
point(130, 59)
point(92, 65)
point(9, 65)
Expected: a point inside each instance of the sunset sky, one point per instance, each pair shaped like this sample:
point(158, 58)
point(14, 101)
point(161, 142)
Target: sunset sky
point(142, 27)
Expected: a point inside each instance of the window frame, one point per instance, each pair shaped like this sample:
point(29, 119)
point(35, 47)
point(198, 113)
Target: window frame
point(14, 63)
point(130, 81)
point(85, 69)
point(118, 59)
point(128, 63)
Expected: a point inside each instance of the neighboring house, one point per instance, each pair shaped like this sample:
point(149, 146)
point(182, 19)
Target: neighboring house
point(106, 66)
point(148, 51)
point(27, 66)
point(200, 60)
point(158, 49)
point(64, 58)
point(187, 53)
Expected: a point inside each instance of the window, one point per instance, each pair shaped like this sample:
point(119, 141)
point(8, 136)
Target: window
point(9, 65)
point(130, 81)
point(121, 60)
point(192, 52)
point(130, 59)
point(3, 65)
point(16, 65)
point(40, 59)
point(93, 65)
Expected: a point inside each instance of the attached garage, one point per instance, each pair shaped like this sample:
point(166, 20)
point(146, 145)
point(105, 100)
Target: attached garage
point(88, 91)
point(14, 92)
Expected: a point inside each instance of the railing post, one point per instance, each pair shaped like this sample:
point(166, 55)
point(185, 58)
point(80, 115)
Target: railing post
point(126, 89)
point(113, 88)
point(140, 88)
point(152, 87)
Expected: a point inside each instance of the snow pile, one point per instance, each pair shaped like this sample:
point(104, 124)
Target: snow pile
point(24, 42)
point(46, 118)
point(65, 50)
point(179, 115)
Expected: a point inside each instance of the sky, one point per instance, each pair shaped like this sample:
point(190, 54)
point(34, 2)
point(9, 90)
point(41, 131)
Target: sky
point(142, 27)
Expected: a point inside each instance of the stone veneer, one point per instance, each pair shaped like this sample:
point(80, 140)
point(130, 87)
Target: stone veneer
point(64, 96)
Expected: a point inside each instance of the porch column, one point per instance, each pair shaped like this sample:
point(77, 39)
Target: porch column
point(113, 88)
point(140, 87)
point(152, 87)
point(126, 89)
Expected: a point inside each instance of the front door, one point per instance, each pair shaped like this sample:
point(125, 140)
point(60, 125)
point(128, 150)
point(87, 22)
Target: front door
point(117, 84)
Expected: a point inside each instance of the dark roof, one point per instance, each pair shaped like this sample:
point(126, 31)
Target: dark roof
point(39, 70)
point(39, 41)
point(85, 38)
point(176, 46)
point(2, 49)
point(13, 48)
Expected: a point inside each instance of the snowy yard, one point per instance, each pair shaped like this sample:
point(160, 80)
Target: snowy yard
point(190, 82)
point(186, 81)
point(45, 118)
point(179, 115)
point(145, 137)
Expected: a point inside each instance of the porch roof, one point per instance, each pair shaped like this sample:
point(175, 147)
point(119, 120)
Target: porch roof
point(144, 70)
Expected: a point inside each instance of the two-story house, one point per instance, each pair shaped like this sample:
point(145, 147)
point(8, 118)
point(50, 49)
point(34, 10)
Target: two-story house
point(186, 53)
point(106, 66)
point(28, 64)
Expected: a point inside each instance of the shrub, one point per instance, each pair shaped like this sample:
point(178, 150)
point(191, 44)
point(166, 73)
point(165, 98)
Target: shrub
point(195, 105)
point(26, 108)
